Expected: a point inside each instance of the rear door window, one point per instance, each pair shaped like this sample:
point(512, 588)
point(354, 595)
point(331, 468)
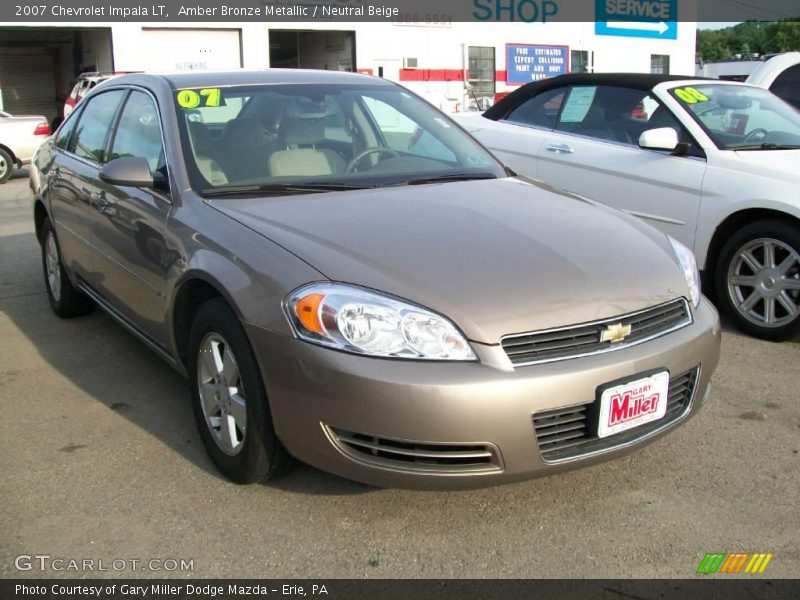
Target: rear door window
point(65, 131)
point(540, 111)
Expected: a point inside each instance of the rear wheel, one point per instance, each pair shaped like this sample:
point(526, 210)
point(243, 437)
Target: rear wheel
point(65, 299)
point(758, 279)
point(228, 398)
point(6, 165)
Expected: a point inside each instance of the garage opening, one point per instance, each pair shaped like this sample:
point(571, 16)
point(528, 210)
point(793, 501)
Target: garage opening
point(39, 64)
point(300, 49)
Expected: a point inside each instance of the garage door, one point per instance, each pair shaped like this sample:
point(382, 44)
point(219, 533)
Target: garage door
point(27, 82)
point(191, 49)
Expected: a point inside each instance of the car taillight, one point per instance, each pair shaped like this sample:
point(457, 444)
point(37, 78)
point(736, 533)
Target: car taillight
point(42, 129)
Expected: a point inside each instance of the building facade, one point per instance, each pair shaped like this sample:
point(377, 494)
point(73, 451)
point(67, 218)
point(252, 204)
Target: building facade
point(455, 66)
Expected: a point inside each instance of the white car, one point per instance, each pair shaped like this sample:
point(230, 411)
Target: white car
point(20, 137)
point(714, 164)
point(781, 76)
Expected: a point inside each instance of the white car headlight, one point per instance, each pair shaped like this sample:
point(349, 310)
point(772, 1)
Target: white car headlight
point(689, 267)
point(357, 320)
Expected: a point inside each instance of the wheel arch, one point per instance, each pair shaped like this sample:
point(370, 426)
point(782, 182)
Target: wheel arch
point(733, 223)
point(39, 215)
point(10, 152)
point(195, 289)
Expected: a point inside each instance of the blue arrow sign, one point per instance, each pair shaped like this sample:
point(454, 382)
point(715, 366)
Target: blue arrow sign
point(637, 18)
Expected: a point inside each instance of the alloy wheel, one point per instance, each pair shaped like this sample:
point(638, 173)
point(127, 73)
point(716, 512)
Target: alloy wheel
point(764, 282)
point(53, 266)
point(4, 167)
point(221, 394)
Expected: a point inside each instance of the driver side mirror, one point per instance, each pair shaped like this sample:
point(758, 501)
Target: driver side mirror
point(663, 138)
point(133, 171)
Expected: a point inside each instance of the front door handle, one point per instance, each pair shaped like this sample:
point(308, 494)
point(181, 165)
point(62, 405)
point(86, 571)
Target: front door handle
point(560, 148)
point(100, 202)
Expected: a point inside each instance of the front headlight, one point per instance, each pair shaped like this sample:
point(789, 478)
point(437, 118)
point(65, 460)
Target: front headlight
point(357, 320)
point(689, 267)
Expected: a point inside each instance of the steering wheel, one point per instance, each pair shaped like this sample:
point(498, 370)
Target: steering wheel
point(759, 131)
point(362, 155)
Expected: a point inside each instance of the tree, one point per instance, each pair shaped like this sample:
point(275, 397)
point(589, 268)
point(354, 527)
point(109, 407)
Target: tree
point(751, 37)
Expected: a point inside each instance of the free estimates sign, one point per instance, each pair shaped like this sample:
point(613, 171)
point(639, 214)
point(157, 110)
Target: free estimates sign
point(531, 62)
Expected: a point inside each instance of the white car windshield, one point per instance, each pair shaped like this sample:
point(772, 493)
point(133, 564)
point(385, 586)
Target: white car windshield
point(739, 117)
point(268, 136)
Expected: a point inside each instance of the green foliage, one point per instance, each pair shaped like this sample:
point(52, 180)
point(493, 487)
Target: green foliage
point(762, 37)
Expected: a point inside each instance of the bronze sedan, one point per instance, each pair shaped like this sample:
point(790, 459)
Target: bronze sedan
point(345, 276)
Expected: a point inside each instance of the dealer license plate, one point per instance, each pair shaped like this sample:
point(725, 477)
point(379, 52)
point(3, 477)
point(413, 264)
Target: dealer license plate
point(633, 403)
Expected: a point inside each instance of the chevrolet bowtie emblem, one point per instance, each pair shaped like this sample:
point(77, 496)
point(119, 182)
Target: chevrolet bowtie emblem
point(615, 333)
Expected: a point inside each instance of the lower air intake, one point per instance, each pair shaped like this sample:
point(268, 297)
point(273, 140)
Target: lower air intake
point(422, 457)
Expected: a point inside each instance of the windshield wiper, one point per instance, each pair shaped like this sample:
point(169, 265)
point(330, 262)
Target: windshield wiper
point(768, 146)
point(281, 188)
point(448, 177)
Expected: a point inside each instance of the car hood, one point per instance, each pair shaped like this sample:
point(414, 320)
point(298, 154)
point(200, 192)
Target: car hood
point(496, 256)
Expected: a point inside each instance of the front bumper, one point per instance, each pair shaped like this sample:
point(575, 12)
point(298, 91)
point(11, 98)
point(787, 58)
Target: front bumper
point(316, 393)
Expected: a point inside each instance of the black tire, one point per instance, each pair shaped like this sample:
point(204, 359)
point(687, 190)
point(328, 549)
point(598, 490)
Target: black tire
point(68, 301)
point(6, 166)
point(261, 455)
point(770, 229)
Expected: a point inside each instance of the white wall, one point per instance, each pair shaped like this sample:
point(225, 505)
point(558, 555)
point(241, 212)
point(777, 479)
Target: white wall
point(386, 44)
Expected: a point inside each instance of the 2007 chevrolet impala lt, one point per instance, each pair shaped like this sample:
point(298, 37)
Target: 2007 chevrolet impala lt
point(345, 276)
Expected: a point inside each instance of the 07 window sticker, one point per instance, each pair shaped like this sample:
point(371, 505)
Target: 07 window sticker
point(200, 98)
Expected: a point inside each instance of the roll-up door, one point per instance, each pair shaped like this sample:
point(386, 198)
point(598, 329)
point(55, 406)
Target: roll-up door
point(27, 82)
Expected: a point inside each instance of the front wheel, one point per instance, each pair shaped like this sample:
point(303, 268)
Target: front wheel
point(228, 398)
point(758, 279)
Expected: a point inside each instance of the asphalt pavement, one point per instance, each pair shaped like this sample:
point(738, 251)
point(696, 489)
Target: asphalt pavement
point(101, 461)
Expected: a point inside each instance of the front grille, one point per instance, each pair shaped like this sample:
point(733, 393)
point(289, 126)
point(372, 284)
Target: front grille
point(584, 339)
point(567, 433)
point(415, 456)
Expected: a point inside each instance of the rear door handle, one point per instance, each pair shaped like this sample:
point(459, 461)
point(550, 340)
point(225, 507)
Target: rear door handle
point(560, 148)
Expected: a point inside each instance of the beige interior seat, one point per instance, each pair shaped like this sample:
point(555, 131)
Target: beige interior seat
point(304, 161)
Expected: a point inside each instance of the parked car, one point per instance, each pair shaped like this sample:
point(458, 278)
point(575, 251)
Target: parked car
point(781, 76)
point(82, 86)
point(20, 136)
point(379, 300)
point(713, 164)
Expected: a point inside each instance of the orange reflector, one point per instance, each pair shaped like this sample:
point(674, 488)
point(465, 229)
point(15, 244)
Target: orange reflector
point(307, 310)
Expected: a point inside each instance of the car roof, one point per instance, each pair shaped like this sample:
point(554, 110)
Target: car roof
point(640, 81)
point(192, 79)
point(766, 73)
point(644, 81)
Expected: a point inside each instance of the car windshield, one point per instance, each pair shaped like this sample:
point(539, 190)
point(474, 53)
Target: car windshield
point(739, 117)
point(301, 136)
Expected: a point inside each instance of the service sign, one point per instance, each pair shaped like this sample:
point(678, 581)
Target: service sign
point(637, 18)
point(530, 62)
